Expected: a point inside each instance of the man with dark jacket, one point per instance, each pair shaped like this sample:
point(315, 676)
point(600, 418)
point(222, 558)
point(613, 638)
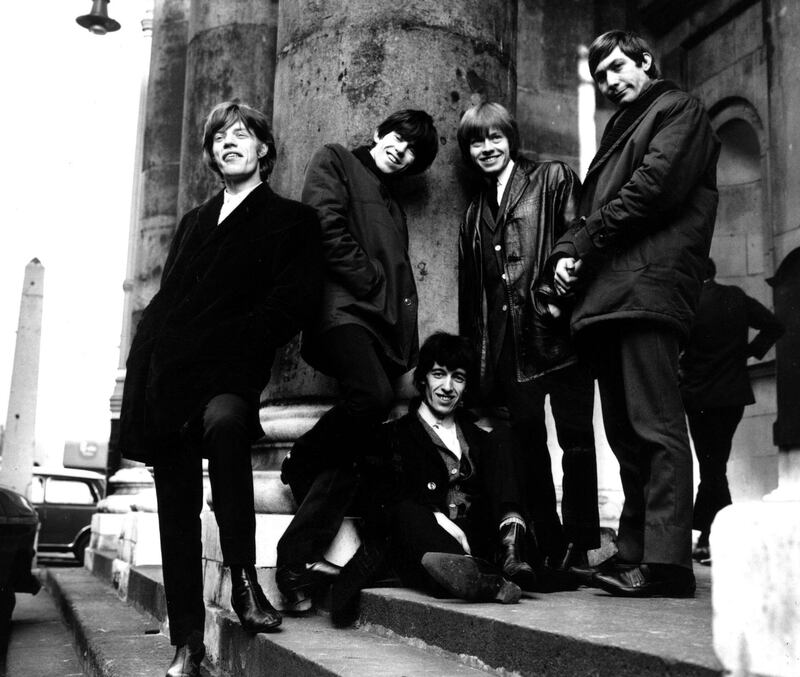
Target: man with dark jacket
point(239, 279)
point(633, 265)
point(716, 387)
point(442, 493)
point(505, 309)
point(364, 334)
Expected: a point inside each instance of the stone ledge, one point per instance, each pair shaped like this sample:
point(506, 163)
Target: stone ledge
point(756, 551)
point(584, 632)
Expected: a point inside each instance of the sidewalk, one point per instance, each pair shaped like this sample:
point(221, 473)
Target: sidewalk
point(40, 644)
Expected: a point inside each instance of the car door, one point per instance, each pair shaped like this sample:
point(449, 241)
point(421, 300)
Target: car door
point(67, 508)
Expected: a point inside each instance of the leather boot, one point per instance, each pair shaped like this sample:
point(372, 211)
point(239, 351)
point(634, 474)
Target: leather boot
point(512, 562)
point(299, 583)
point(252, 607)
point(187, 661)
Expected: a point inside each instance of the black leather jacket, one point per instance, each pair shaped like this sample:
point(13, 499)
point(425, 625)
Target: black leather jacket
point(541, 203)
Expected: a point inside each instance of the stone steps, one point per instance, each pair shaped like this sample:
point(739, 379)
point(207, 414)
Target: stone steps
point(402, 632)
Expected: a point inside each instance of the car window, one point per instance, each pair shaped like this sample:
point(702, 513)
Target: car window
point(37, 490)
point(68, 491)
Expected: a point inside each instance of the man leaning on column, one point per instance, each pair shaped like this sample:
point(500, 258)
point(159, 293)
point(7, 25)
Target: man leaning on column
point(240, 279)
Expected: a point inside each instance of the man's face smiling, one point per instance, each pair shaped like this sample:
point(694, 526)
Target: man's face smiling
point(444, 389)
point(492, 153)
point(620, 80)
point(391, 153)
point(236, 151)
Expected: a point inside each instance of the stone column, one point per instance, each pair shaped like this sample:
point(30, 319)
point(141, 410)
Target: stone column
point(755, 546)
point(19, 442)
point(231, 55)
point(342, 68)
point(155, 190)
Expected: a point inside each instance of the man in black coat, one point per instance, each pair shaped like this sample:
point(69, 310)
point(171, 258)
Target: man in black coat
point(716, 387)
point(633, 265)
point(239, 280)
point(442, 493)
point(506, 236)
point(364, 334)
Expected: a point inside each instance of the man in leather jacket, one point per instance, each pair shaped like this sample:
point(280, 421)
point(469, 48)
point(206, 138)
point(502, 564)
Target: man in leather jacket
point(518, 330)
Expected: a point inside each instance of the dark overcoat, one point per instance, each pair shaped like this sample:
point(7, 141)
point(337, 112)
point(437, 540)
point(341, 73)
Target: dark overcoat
point(230, 295)
point(648, 207)
point(714, 364)
point(539, 204)
point(368, 276)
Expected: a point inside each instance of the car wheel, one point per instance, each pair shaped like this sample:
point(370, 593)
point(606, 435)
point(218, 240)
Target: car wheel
point(80, 547)
point(8, 601)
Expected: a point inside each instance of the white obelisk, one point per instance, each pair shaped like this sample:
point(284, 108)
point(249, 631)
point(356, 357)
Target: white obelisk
point(19, 442)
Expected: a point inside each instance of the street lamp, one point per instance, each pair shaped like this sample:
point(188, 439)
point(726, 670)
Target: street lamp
point(98, 21)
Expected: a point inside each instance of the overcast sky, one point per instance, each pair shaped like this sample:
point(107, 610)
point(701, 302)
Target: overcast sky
point(69, 116)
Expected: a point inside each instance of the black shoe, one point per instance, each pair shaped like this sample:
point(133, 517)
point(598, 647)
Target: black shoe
point(552, 579)
point(511, 560)
point(187, 661)
point(298, 584)
point(573, 557)
point(357, 574)
point(470, 578)
point(613, 565)
point(649, 581)
point(252, 607)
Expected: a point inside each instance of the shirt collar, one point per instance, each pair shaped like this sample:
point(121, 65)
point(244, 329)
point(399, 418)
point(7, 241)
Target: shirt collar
point(426, 415)
point(503, 177)
point(228, 198)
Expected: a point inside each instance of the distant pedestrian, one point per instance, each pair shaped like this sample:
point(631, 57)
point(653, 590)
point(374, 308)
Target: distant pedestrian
point(239, 281)
point(716, 387)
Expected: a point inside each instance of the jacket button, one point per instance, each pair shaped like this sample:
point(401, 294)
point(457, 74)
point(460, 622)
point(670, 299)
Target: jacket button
point(497, 247)
point(431, 485)
point(505, 307)
point(504, 276)
point(454, 471)
point(407, 301)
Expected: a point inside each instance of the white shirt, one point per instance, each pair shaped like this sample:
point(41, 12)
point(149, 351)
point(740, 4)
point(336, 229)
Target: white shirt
point(502, 180)
point(231, 202)
point(445, 429)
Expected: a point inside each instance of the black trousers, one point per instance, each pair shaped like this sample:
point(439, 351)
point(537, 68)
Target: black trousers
point(225, 439)
point(571, 393)
point(413, 530)
point(712, 430)
point(320, 468)
point(637, 372)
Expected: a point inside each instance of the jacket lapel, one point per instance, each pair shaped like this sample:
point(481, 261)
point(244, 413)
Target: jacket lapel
point(255, 200)
point(518, 185)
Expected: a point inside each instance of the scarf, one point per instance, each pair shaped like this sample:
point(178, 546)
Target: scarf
point(622, 120)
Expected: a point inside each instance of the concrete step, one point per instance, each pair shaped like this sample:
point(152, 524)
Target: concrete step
point(118, 640)
point(111, 639)
point(402, 632)
point(582, 632)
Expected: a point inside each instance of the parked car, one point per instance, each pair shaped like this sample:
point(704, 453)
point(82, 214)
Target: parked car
point(66, 500)
point(18, 524)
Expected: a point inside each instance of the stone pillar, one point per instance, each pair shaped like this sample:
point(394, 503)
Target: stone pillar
point(19, 442)
point(231, 55)
point(154, 206)
point(755, 545)
point(550, 34)
point(342, 68)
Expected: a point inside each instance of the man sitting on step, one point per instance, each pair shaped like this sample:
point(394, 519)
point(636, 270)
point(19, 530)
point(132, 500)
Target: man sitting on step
point(447, 493)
